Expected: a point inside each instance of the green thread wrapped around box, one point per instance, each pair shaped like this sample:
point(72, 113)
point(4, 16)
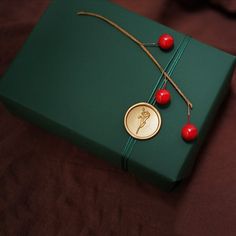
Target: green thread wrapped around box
point(77, 76)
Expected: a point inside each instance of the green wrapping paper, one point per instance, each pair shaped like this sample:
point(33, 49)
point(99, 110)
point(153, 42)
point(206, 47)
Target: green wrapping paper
point(76, 76)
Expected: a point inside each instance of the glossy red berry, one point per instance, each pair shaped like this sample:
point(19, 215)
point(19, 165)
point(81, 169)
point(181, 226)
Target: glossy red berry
point(165, 42)
point(189, 132)
point(163, 96)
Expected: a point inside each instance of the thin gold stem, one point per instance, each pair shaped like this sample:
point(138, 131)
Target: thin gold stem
point(134, 39)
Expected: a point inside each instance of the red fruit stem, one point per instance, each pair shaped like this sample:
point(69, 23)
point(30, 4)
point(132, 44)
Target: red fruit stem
point(164, 86)
point(189, 114)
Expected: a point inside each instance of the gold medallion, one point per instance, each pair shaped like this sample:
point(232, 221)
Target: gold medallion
point(142, 121)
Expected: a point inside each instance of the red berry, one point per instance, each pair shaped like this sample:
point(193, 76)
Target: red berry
point(189, 132)
point(166, 42)
point(163, 96)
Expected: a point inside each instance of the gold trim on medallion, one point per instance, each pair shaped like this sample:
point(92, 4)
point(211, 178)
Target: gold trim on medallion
point(142, 121)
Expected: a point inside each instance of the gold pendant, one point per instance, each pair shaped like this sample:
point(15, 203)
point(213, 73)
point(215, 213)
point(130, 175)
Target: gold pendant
point(142, 121)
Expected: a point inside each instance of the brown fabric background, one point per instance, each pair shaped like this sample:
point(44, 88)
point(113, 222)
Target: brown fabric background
point(50, 187)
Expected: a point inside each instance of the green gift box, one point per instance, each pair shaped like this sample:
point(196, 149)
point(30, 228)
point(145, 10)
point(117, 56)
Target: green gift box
point(77, 76)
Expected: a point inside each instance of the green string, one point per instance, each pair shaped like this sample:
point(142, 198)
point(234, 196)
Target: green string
point(165, 69)
point(174, 64)
point(131, 141)
point(176, 56)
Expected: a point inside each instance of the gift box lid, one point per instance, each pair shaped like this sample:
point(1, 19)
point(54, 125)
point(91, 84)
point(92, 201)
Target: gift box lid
point(77, 76)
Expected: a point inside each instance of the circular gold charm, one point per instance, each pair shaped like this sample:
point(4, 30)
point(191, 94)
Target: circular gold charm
point(142, 121)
